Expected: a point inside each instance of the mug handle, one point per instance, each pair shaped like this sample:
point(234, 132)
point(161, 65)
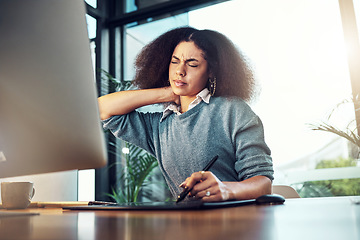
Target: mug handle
point(32, 194)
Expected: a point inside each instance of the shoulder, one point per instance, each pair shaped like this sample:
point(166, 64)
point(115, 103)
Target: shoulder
point(228, 100)
point(234, 111)
point(233, 104)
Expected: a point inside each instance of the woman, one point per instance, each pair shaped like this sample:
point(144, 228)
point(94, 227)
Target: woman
point(206, 81)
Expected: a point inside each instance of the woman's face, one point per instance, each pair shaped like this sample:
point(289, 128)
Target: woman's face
point(188, 70)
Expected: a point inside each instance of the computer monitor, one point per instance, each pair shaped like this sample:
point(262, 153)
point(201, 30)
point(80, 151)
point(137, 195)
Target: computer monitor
point(49, 118)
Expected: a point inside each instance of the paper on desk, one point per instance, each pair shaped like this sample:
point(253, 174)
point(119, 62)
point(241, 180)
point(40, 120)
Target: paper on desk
point(55, 204)
point(59, 204)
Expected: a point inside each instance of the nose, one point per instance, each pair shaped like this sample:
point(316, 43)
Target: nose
point(180, 70)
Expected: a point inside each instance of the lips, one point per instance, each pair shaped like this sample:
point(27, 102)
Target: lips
point(179, 83)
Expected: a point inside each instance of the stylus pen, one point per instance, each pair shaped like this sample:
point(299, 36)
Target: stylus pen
point(186, 191)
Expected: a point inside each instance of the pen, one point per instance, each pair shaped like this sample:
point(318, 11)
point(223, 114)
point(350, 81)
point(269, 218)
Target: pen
point(186, 191)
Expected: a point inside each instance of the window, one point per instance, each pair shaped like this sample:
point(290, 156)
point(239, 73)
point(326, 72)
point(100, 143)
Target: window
point(298, 51)
point(301, 62)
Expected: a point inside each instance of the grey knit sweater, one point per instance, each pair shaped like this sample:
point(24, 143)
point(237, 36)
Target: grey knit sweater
point(185, 143)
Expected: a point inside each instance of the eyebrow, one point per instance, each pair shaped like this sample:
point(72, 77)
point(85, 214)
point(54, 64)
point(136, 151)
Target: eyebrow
point(187, 60)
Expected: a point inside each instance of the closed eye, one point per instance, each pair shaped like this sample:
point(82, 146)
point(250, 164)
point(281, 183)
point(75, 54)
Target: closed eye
point(175, 60)
point(192, 62)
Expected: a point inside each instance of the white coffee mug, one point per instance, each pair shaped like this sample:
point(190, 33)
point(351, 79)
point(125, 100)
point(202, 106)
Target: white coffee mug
point(17, 195)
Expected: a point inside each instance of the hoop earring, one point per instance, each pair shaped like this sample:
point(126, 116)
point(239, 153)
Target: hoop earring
point(212, 86)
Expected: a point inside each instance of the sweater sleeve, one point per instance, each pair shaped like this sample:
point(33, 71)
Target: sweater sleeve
point(252, 154)
point(136, 127)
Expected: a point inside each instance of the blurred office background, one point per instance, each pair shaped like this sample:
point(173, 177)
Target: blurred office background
point(299, 50)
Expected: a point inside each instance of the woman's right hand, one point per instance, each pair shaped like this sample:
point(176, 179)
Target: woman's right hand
point(175, 98)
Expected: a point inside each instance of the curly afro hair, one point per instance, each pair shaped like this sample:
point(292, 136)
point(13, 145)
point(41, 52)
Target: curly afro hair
point(234, 75)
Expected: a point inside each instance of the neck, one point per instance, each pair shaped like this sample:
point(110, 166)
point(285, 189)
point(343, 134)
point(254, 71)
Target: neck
point(185, 102)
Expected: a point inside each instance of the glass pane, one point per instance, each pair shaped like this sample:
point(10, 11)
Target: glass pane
point(91, 26)
point(92, 3)
point(133, 5)
point(298, 51)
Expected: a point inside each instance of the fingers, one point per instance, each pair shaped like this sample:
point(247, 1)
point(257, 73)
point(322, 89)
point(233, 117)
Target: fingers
point(206, 193)
point(173, 97)
point(194, 182)
point(206, 187)
point(200, 184)
point(191, 181)
point(213, 194)
point(194, 179)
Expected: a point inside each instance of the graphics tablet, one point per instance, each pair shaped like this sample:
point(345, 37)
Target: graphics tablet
point(186, 205)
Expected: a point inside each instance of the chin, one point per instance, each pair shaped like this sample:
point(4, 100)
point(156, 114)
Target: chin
point(178, 91)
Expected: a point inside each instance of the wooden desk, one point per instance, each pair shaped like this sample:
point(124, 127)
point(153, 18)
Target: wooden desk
point(321, 218)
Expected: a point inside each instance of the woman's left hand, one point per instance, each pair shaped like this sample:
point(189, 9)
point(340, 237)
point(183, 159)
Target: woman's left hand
point(207, 187)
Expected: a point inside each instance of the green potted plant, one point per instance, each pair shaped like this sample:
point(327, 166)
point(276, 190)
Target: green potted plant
point(349, 133)
point(336, 187)
point(135, 175)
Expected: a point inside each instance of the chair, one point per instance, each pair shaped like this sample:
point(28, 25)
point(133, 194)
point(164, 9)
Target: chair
point(285, 191)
